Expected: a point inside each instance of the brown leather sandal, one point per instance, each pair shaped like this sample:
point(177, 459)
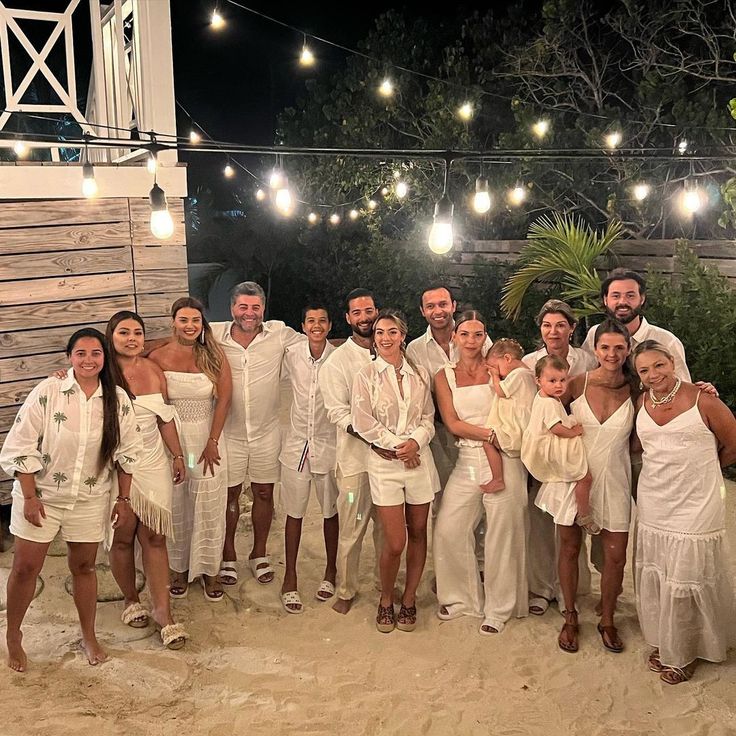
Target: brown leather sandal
point(570, 631)
point(611, 639)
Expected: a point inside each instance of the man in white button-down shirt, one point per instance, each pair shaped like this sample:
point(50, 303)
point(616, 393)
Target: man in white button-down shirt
point(254, 349)
point(354, 505)
point(308, 455)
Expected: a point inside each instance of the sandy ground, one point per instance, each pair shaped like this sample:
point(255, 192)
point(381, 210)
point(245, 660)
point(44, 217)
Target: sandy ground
point(253, 669)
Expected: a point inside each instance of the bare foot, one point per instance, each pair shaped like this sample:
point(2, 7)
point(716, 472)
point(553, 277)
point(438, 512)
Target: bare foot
point(95, 653)
point(342, 605)
point(493, 486)
point(17, 659)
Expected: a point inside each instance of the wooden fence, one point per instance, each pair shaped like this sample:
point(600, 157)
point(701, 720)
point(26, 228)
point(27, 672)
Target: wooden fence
point(65, 264)
point(643, 256)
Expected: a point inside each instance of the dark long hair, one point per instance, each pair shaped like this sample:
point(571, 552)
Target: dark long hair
point(112, 324)
point(612, 326)
point(108, 381)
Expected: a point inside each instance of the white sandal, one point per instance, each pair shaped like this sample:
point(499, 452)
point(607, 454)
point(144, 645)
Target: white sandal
point(259, 572)
point(292, 597)
point(228, 571)
point(136, 616)
point(173, 636)
point(325, 587)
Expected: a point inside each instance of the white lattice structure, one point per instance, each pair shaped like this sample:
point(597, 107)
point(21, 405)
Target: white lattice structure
point(130, 92)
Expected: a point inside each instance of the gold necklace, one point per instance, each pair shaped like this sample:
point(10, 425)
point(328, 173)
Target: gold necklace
point(665, 399)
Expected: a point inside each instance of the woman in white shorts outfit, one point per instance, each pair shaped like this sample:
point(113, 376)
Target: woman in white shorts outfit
point(69, 436)
point(392, 409)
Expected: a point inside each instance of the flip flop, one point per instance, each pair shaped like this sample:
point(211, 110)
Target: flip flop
point(654, 662)
point(614, 643)
point(259, 572)
point(228, 572)
point(292, 597)
point(569, 627)
point(327, 588)
point(173, 636)
point(538, 606)
point(136, 616)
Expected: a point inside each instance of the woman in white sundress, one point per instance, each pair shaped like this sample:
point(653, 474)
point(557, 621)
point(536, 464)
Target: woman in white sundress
point(200, 387)
point(684, 593)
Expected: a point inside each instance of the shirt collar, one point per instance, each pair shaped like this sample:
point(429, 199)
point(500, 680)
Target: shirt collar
point(266, 327)
point(641, 334)
point(328, 349)
point(382, 365)
point(354, 346)
point(429, 337)
point(71, 382)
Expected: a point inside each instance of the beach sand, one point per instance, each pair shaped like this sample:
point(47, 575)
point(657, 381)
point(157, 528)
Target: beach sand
point(251, 668)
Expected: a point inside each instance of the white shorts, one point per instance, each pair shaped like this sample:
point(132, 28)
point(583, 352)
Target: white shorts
point(257, 462)
point(295, 488)
point(393, 485)
point(86, 521)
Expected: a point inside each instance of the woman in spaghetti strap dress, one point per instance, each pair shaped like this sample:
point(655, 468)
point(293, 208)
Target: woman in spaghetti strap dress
point(199, 384)
point(602, 404)
point(465, 398)
point(684, 594)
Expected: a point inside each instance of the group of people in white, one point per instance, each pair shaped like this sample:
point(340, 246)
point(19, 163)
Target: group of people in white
point(514, 457)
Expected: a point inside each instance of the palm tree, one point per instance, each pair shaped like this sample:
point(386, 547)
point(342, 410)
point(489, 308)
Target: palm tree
point(564, 250)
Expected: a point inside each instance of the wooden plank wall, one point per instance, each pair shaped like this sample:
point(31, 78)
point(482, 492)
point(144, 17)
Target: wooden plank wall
point(66, 264)
point(642, 256)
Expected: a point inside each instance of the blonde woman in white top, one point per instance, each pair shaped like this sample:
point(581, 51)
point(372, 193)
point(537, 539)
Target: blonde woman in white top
point(68, 438)
point(392, 408)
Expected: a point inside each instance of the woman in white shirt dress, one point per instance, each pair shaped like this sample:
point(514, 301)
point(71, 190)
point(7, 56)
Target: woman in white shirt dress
point(68, 439)
point(684, 593)
point(392, 409)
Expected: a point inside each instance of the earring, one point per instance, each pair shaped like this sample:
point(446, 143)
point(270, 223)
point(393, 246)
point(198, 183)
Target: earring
point(201, 337)
point(641, 386)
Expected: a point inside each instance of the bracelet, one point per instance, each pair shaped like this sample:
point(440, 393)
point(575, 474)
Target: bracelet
point(489, 439)
point(177, 457)
point(124, 499)
point(212, 439)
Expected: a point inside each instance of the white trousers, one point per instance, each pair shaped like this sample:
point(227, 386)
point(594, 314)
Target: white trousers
point(503, 594)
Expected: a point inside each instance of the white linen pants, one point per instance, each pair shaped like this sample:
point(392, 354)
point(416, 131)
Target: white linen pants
point(503, 594)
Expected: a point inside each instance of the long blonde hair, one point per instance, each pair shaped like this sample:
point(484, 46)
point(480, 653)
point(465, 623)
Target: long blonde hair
point(208, 355)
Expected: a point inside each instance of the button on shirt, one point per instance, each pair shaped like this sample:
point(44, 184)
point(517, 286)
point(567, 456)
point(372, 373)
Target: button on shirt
point(382, 416)
point(57, 436)
point(426, 352)
point(310, 432)
point(578, 359)
point(256, 371)
point(651, 332)
point(336, 381)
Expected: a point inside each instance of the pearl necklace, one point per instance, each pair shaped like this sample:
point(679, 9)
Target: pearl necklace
point(665, 399)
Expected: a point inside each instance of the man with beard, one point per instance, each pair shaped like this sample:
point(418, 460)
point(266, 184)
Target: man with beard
point(624, 294)
point(254, 349)
point(354, 505)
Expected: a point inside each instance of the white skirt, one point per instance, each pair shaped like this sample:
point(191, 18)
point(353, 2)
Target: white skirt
point(557, 498)
point(684, 596)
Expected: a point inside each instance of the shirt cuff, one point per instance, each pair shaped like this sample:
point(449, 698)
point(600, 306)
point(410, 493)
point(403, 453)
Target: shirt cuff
point(421, 437)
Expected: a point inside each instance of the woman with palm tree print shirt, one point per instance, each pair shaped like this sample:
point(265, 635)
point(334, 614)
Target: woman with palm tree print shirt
point(69, 437)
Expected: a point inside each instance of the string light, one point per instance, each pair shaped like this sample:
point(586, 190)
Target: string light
point(384, 191)
point(401, 189)
point(441, 235)
point(276, 179)
point(465, 111)
point(482, 198)
point(641, 191)
point(162, 226)
point(260, 195)
point(152, 162)
point(517, 195)
point(372, 204)
point(334, 219)
point(194, 137)
point(217, 21)
point(354, 214)
point(20, 148)
point(229, 171)
point(89, 183)
point(692, 200)
point(386, 89)
point(283, 201)
point(306, 58)
point(682, 146)
point(613, 139)
point(313, 218)
point(540, 128)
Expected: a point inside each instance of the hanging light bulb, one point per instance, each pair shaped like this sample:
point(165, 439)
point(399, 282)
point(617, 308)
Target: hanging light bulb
point(465, 111)
point(517, 195)
point(194, 137)
point(641, 191)
point(20, 148)
point(401, 189)
point(152, 162)
point(306, 58)
point(313, 218)
point(613, 139)
point(384, 191)
point(372, 204)
point(89, 183)
point(386, 88)
point(441, 236)
point(283, 201)
point(692, 200)
point(229, 171)
point(217, 21)
point(334, 218)
point(162, 226)
point(682, 146)
point(482, 198)
point(540, 128)
point(260, 195)
point(276, 179)
point(354, 214)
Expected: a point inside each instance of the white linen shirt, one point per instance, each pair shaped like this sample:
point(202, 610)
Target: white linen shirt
point(256, 371)
point(310, 431)
point(382, 416)
point(426, 352)
point(579, 360)
point(336, 382)
point(57, 436)
point(651, 332)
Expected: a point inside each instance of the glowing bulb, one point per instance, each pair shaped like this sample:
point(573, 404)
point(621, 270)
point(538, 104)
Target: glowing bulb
point(283, 200)
point(354, 214)
point(89, 183)
point(401, 189)
point(194, 137)
point(313, 218)
point(441, 235)
point(465, 111)
point(334, 219)
point(307, 57)
point(384, 191)
point(20, 148)
point(482, 198)
point(162, 226)
point(613, 139)
point(386, 89)
point(276, 179)
point(217, 21)
point(229, 171)
point(152, 163)
point(372, 204)
point(260, 195)
point(692, 201)
point(517, 195)
point(641, 192)
point(682, 146)
point(397, 174)
point(540, 128)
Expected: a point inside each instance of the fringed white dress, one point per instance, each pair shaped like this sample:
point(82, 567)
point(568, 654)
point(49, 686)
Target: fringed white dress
point(684, 596)
point(199, 503)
